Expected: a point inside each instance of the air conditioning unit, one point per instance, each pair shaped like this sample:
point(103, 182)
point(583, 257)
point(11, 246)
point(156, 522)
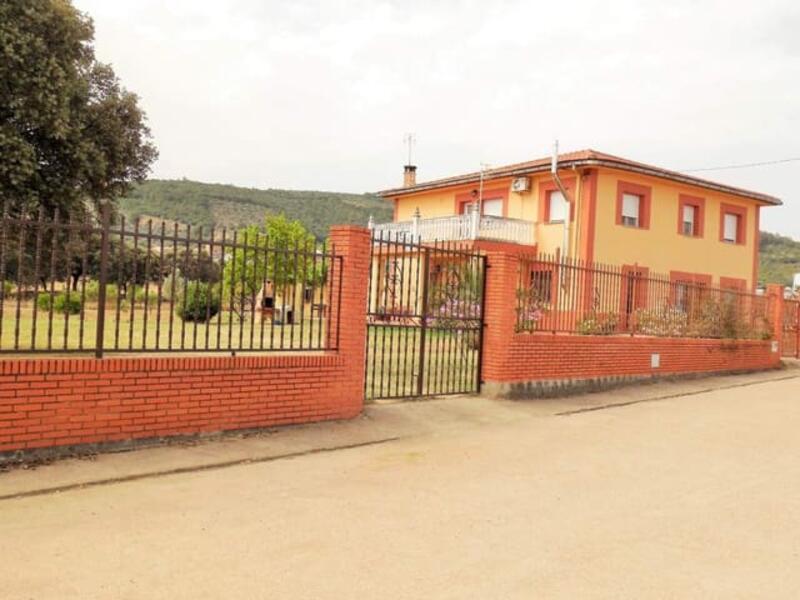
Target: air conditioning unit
point(521, 184)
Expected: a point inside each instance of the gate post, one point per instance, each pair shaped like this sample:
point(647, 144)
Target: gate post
point(500, 298)
point(775, 295)
point(348, 316)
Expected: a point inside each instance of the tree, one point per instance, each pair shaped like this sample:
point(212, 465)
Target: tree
point(69, 132)
point(268, 254)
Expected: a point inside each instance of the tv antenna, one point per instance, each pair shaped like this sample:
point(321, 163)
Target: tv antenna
point(409, 140)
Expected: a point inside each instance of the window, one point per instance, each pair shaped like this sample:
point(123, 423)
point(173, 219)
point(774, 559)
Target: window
point(493, 204)
point(732, 224)
point(689, 219)
point(492, 207)
point(690, 215)
point(557, 209)
point(553, 206)
point(730, 232)
point(688, 294)
point(682, 296)
point(542, 286)
point(631, 206)
point(687, 290)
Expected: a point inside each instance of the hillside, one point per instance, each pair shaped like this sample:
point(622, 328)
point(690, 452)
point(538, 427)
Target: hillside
point(780, 258)
point(230, 206)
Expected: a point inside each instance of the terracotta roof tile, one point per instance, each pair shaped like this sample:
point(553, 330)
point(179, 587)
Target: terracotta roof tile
point(581, 158)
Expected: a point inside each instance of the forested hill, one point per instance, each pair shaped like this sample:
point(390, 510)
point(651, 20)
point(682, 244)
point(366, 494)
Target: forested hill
point(230, 206)
point(780, 258)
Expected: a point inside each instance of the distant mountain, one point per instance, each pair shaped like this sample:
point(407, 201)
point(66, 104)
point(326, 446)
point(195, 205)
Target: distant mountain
point(230, 206)
point(216, 205)
point(780, 258)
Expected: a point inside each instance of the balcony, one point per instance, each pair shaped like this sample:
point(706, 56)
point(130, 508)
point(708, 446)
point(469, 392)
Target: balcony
point(459, 228)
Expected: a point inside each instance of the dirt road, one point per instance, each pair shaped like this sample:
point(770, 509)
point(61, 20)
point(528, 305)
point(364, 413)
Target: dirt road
point(694, 496)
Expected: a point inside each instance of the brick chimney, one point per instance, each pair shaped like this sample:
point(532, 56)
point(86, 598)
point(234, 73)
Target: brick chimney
point(409, 176)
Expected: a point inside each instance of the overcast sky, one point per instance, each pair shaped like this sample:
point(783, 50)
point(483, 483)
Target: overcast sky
point(318, 95)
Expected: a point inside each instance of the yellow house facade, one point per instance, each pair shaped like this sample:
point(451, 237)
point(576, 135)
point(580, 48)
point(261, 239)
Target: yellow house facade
point(604, 209)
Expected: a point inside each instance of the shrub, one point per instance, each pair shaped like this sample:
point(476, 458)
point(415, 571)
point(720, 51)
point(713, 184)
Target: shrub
point(93, 291)
point(598, 324)
point(151, 295)
point(200, 304)
point(8, 289)
point(63, 302)
point(664, 322)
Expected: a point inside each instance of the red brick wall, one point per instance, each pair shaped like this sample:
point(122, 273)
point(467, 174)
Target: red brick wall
point(532, 357)
point(63, 402)
point(511, 357)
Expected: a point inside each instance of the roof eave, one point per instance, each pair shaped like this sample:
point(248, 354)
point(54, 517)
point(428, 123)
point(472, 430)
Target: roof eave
point(585, 162)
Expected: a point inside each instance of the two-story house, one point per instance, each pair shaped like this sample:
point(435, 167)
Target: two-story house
point(599, 208)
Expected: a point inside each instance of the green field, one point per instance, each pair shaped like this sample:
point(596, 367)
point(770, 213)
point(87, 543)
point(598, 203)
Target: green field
point(37, 330)
point(393, 362)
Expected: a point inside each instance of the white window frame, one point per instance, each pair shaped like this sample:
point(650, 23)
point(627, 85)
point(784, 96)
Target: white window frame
point(733, 220)
point(556, 200)
point(631, 214)
point(689, 225)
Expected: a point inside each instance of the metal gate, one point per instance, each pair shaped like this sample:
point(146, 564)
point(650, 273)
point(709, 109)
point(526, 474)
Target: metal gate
point(791, 328)
point(424, 319)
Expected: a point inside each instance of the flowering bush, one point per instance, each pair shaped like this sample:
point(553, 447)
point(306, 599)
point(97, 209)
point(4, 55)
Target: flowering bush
point(449, 310)
point(668, 321)
point(531, 309)
point(597, 323)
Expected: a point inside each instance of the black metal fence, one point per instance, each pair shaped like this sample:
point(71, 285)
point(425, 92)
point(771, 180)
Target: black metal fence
point(561, 295)
point(91, 285)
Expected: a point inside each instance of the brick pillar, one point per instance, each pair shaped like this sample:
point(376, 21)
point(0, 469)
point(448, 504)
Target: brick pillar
point(775, 294)
point(499, 317)
point(348, 314)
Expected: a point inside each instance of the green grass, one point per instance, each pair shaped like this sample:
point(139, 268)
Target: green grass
point(225, 331)
point(393, 362)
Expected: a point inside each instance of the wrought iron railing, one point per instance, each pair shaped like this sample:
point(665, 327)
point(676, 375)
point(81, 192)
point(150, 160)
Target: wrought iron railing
point(571, 296)
point(460, 228)
point(97, 286)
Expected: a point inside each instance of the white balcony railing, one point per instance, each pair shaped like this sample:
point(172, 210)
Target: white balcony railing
point(460, 227)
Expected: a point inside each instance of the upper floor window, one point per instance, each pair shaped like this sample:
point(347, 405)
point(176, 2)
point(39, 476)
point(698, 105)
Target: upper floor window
point(633, 205)
point(689, 219)
point(690, 215)
point(731, 228)
point(493, 203)
point(557, 207)
point(732, 224)
point(554, 207)
point(492, 207)
point(631, 209)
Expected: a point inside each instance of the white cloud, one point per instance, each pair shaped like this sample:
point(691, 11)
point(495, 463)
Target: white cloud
point(318, 94)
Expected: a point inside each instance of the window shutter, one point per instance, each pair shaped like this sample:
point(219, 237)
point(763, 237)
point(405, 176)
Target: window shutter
point(630, 206)
point(558, 207)
point(731, 227)
point(493, 207)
